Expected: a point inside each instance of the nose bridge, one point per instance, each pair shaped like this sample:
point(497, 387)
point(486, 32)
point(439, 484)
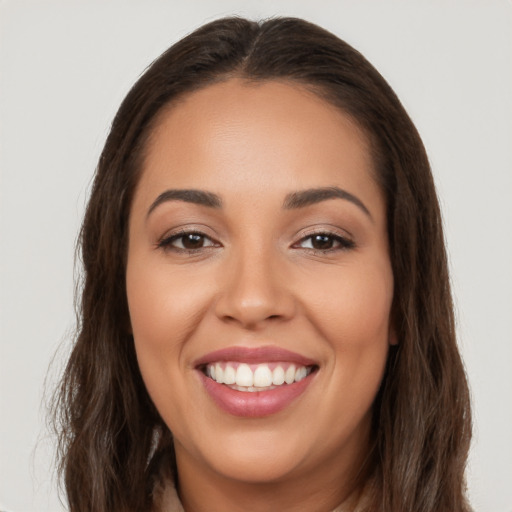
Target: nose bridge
point(254, 288)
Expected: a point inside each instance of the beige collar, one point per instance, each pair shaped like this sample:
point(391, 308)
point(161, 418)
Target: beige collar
point(166, 500)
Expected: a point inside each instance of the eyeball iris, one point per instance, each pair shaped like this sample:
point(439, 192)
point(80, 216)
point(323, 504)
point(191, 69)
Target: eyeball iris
point(322, 242)
point(192, 241)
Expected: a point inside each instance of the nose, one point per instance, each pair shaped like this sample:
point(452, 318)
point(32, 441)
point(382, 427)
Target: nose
point(255, 291)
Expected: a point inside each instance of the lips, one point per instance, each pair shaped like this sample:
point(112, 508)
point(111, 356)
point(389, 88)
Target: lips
point(255, 382)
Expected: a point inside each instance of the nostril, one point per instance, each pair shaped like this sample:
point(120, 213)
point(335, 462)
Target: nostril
point(251, 303)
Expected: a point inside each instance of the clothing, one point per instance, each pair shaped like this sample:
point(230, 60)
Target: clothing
point(165, 499)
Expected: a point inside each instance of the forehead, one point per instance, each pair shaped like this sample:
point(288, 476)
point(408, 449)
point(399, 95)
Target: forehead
point(239, 136)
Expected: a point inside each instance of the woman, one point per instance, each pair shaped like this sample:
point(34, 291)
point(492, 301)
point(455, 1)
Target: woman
point(266, 320)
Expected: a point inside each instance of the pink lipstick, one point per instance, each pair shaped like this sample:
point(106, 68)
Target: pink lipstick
point(255, 382)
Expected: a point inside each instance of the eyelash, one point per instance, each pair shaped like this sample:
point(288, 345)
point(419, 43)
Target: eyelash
point(166, 244)
point(344, 243)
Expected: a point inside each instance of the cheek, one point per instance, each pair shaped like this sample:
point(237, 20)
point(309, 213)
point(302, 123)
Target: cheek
point(164, 304)
point(351, 307)
point(355, 325)
point(351, 310)
point(164, 307)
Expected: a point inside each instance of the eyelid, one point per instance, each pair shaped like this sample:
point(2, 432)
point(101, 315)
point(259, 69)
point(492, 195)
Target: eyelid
point(345, 239)
point(165, 241)
point(324, 229)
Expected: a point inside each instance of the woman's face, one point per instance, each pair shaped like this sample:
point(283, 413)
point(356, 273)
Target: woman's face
point(259, 283)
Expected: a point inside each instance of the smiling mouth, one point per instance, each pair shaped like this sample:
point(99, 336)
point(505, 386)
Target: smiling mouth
point(256, 377)
point(254, 382)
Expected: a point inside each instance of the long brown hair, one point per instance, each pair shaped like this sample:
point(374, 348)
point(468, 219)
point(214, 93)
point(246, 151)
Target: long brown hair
point(111, 436)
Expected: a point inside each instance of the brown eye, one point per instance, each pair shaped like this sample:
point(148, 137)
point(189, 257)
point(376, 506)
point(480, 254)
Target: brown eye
point(325, 242)
point(192, 241)
point(322, 242)
point(187, 242)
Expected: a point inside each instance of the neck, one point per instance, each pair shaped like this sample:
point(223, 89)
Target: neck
point(333, 487)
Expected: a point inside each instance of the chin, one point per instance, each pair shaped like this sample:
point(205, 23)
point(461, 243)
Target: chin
point(250, 455)
point(262, 465)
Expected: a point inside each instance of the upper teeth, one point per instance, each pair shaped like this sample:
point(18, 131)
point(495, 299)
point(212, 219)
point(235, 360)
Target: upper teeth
point(258, 375)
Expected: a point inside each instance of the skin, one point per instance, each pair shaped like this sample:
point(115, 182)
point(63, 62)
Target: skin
point(257, 280)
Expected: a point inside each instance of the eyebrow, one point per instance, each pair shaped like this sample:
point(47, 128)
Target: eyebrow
point(194, 196)
point(312, 196)
point(292, 201)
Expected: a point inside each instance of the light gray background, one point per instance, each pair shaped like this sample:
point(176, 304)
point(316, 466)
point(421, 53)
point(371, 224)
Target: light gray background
point(65, 67)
